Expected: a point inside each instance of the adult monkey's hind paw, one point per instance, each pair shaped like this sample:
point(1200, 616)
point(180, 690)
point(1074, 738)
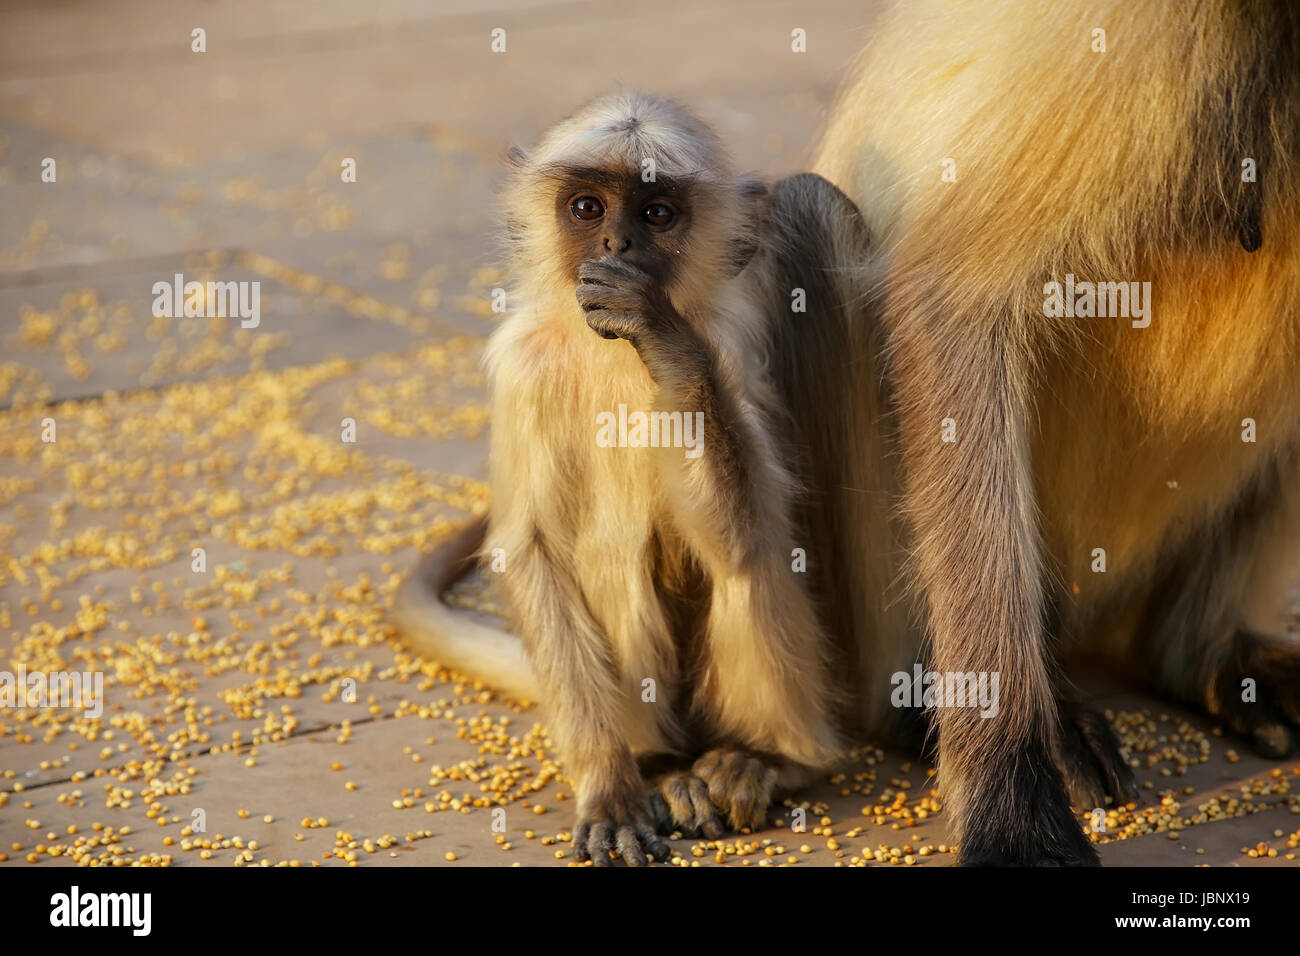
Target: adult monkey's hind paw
point(1256, 691)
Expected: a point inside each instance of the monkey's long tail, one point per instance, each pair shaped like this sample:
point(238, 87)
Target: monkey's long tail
point(442, 633)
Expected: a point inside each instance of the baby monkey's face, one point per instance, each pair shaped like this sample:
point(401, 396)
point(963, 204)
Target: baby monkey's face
point(606, 214)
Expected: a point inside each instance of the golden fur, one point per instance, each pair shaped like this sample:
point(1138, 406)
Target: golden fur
point(1121, 165)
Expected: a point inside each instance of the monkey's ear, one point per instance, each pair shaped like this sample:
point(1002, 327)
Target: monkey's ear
point(753, 202)
point(516, 157)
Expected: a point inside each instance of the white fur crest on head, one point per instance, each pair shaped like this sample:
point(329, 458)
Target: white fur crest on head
point(628, 127)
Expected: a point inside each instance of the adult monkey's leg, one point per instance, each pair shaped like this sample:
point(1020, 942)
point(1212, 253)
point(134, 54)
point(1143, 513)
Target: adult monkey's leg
point(971, 503)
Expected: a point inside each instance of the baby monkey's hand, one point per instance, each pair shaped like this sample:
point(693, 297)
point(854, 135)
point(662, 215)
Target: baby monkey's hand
point(623, 301)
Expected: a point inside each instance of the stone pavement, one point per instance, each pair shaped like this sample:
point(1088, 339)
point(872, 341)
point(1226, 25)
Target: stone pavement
point(260, 693)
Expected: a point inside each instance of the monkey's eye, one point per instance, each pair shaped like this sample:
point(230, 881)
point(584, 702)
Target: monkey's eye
point(658, 214)
point(587, 208)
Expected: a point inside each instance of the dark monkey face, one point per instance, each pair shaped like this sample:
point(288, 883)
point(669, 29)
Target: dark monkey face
point(602, 213)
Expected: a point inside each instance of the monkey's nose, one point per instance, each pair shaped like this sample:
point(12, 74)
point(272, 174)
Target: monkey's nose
point(617, 244)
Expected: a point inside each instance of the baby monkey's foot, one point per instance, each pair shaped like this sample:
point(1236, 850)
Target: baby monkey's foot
point(681, 802)
point(626, 832)
point(740, 785)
